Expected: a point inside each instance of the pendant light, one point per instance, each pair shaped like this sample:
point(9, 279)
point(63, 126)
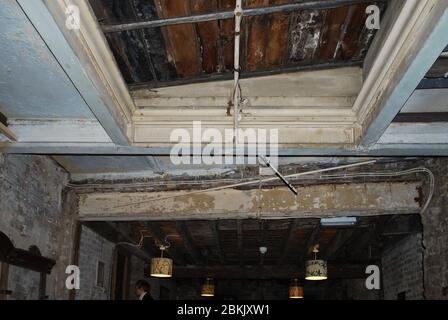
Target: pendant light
point(316, 270)
point(162, 267)
point(295, 290)
point(208, 288)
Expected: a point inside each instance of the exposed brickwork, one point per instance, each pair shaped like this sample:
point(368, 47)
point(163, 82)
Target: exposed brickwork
point(435, 234)
point(402, 269)
point(30, 214)
point(94, 248)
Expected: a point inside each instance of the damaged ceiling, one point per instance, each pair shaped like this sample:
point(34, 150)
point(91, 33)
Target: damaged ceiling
point(332, 34)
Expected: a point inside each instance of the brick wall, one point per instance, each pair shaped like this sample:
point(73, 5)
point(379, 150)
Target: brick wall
point(403, 269)
point(93, 248)
point(435, 234)
point(31, 213)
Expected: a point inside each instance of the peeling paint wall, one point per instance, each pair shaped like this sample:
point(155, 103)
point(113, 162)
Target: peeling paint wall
point(31, 213)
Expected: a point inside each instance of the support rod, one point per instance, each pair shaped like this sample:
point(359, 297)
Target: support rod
point(307, 5)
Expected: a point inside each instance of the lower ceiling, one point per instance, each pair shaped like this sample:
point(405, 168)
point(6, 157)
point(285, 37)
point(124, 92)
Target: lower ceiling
point(228, 245)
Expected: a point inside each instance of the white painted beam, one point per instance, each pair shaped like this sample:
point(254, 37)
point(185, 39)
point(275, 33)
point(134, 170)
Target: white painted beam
point(416, 133)
point(409, 49)
point(428, 100)
point(88, 62)
point(59, 131)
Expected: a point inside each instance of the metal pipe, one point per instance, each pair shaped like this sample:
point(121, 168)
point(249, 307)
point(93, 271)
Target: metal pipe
point(307, 5)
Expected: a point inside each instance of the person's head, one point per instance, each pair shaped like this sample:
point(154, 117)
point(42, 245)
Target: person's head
point(141, 286)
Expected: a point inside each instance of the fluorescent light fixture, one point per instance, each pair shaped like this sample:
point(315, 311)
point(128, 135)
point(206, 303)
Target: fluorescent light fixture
point(338, 222)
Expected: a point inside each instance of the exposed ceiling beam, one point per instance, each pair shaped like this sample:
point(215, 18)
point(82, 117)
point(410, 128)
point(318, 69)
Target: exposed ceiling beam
point(433, 83)
point(160, 236)
point(379, 150)
point(287, 241)
point(86, 59)
point(313, 240)
point(319, 65)
point(426, 117)
point(239, 237)
point(336, 270)
point(371, 238)
point(340, 239)
point(405, 54)
point(221, 256)
point(182, 229)
point(248, 12)
point(115, 234)
point(379, 198)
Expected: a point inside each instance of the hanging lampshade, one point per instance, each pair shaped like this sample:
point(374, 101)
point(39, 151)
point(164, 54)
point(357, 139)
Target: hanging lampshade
point(295, 290)
point(208, 288)
point(161, 267)
point(316, 270)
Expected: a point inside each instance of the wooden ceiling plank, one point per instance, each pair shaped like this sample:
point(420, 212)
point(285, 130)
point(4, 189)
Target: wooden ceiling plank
point(352, 37)
point(182, 229)
point(338, 241)
point(160, 236)
point(335, 18)
point(227, 33)
point(180, 37)
point(278, 36)
point(239, 237)
point(209, 35)
point(306, 34)
point(313, 240)
point(257, 36)
point(287, 241)
point(219, 249)
point(336, 270)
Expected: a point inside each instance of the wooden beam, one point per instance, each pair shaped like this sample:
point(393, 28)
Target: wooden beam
point(85, 57)
point(287, 241)
point(304, 66)
point(182, 229)
point(336, 270)
point(313, 240)
point(221, 256)
point(415, 133)
point(239, 237)
point(335, 200)
point(408, 51)
point(422, 117)
point(433, 83)
point(160, 236)
point(340, 239)
point(248, 12)
point(113, 233)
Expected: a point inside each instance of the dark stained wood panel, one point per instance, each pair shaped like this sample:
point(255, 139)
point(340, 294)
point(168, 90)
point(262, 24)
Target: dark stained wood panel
point(209, 36)
point(227, 35)
point(332, 31)
point(181, 45)
point(154, 42)
point(352, 38)
point(173, 55)
point(257, 36)
point(278, 36)
point(306, 27)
